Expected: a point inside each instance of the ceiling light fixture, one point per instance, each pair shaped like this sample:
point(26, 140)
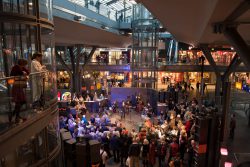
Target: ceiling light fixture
point(79, 18)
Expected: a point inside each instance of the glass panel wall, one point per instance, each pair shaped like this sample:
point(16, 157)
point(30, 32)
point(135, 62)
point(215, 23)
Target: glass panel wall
point(25, 7)
point(53, 134)
point(25, 91)
point(46, 9)
point(34, 151)
point(145, 48)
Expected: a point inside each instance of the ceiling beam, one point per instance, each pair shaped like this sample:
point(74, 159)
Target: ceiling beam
point(111, 2)
point(207, 52)
point(239, 44)
point(240, 10)
point(124, 10)
point(232, 67)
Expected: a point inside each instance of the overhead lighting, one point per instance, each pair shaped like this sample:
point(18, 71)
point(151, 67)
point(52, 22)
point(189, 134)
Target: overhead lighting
point(232, 48)
point(228, 164)
point(104, 27)
point(223, 151)
point(79, 18)
point(30, 4)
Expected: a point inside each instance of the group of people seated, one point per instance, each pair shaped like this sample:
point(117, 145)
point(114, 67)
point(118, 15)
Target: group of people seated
point(164, 140)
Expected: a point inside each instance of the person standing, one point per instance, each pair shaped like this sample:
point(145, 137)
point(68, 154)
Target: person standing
point(37, 79)
point(197, 86)
point(152, 152)
point(104, 156)
point(18, 92)
point(115, 146)
point(134, 153)
point(145, 150)
point(123, 110)
point(174, 149)
point(232, 126)
point(161, 152)
point(124, 147)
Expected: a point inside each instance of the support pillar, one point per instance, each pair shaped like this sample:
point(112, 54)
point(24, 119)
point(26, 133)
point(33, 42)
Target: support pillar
point(218, 86)
point(206, 51)
point(225, 110)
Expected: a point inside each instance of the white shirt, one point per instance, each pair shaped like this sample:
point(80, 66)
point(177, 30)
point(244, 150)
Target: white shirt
point(36, 66)
point(71, 123)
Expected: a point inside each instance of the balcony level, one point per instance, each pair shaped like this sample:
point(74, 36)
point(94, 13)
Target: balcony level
point(33, 118)
point(181, 67)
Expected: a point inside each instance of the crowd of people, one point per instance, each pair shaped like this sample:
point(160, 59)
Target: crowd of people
point(166, 139)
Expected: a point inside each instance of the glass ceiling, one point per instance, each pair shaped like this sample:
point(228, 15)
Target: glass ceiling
point(118, 5)
point(118, 10)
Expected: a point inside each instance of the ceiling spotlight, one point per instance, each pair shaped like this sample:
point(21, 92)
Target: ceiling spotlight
point(79, 18)
point(104, 27)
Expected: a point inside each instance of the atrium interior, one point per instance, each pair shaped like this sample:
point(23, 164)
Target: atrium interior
point(124, 83)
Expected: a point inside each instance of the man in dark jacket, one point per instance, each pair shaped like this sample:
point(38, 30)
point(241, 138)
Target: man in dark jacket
point(134, 153)
point(115, 146)
point(106, 142)
point(124, 148)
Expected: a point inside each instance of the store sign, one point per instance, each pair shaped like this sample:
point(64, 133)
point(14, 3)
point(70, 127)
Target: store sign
point(66, 96)
point(238, 85)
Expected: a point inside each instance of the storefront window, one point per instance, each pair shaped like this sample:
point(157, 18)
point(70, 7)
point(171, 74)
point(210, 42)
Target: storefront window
point(63, 80)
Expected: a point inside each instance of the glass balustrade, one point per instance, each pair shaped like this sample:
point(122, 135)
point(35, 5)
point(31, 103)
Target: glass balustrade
point(25, 7)
point(34, 151)
point(18, 97)
point(19, 41)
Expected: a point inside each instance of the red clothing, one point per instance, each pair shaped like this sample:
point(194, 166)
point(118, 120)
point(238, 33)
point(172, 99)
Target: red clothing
point(174, 147)
point(18, 94)
point(188, 126)
point(152, 153)
point(18, 71)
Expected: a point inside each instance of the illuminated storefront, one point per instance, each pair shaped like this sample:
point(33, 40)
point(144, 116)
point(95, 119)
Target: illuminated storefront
point(111, 56)
point(192, 57)
point(242, 81)
point(63, 80)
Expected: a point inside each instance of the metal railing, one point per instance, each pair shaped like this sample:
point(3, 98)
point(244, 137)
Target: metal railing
point(241, 158)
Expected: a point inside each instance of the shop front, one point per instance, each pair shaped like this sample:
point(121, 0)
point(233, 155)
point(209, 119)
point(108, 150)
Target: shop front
point(63, 80)
point(192, 57)
point(242, 81)
point(117, 56)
